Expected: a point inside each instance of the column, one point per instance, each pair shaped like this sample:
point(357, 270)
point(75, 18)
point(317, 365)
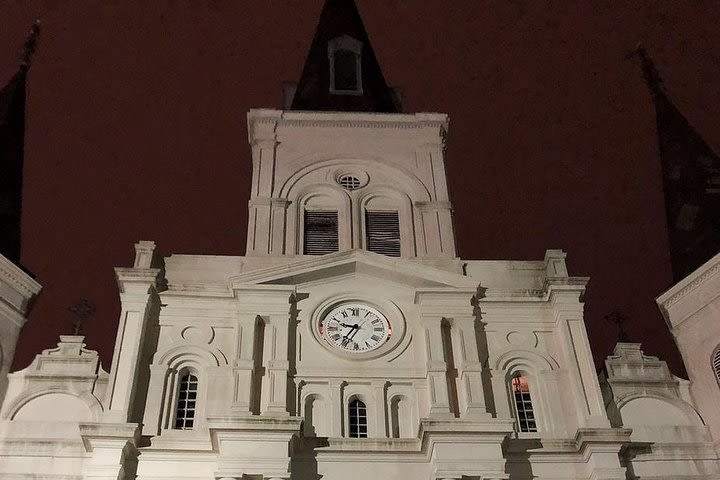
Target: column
point(471, 395)
point(275, 361)
point(137, 287)
point(436, 368)
point(244, 367)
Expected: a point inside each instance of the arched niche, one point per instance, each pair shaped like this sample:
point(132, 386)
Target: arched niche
point(55, 407)
point(401, 417)
point(315, 416)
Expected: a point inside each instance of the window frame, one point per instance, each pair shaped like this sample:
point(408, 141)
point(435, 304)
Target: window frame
point(345, 43)
point(514, 404)
point(353, 399)
point(178, 391)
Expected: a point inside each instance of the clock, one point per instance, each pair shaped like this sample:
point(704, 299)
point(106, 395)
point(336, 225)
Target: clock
point(355, 328)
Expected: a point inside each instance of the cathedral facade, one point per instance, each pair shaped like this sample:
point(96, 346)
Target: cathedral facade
point(350, 341)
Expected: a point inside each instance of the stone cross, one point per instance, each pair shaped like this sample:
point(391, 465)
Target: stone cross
point(618, 319)
point(81, 310)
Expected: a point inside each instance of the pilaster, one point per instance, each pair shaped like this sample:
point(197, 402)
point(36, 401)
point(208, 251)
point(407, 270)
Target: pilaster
point(267, 214)
point(17, 290)
point(436, 368)
point(137, 286)
point(244, 367)
point(275, 351)
point(272, 305)
point(470, 387)
point(569, 313)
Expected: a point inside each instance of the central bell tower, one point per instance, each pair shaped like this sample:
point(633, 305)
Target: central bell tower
point(343, 169)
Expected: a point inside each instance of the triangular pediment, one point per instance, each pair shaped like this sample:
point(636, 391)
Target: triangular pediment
point(342, 264)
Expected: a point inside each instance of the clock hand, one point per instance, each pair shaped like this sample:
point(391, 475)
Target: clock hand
point(347, 337)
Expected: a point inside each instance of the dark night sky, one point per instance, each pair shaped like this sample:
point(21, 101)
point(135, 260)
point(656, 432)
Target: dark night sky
point(136, 130)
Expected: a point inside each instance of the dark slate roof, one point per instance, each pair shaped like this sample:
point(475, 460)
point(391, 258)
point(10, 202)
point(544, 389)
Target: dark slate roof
point(338, 18)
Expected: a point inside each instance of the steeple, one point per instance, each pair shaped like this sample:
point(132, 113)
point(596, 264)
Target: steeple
point(341, 72)
point(691, 180)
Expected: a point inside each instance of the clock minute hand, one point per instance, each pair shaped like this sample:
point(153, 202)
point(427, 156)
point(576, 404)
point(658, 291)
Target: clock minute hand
point(347, 337)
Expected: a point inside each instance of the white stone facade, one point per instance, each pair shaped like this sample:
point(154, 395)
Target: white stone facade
point(485, 370)
point(692, 311)
point(17, 290)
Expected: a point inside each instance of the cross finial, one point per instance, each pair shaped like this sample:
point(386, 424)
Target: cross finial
point(618, 318)
point(81, 310)
point(30, 45)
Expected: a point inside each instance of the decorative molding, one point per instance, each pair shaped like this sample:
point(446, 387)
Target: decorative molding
point(695, 279)
point(18, 280)
point(278, 118)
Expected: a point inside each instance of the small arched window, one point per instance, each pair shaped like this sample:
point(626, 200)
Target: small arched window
point(716, 364)
point(524, 412)
point(186, 402)
point(345, 55)
point(357, 419)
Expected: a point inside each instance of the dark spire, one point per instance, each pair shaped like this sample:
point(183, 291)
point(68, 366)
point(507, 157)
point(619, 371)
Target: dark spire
point(341, 72)
point(691, 180)
point(12, 139)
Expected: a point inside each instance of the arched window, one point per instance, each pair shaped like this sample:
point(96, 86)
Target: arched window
point(345, 55)
point(524, 412)
point(357, 419)
point(186, 403)
point(716, 364)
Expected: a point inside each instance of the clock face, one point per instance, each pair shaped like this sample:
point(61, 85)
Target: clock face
point(355, 328)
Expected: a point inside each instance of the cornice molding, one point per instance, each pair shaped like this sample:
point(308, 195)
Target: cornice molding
point(269, 120)
point(684, 287)
point(15, 277)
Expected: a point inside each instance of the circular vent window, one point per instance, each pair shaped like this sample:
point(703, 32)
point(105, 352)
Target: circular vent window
point(349, 182)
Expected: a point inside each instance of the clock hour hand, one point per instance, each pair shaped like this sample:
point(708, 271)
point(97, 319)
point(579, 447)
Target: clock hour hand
point(347, 337)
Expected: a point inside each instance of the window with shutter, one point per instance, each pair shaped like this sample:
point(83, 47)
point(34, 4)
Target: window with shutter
point(383, 233)
point(716, 364)
point(321, 233)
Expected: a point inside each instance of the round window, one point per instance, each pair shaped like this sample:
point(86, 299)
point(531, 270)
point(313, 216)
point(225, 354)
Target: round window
point(349, 182)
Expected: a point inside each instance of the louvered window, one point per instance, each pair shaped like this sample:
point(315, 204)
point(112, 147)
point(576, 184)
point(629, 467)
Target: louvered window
point(716, 364)
point(383, 233)
point(357, 415)
point(321, 233)
point(187, 398)
point(524, 412)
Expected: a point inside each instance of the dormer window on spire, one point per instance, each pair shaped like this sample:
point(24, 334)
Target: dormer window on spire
point(345, 54)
